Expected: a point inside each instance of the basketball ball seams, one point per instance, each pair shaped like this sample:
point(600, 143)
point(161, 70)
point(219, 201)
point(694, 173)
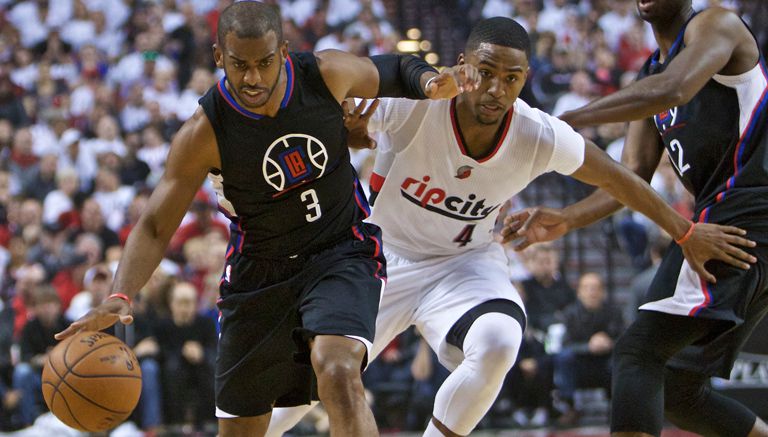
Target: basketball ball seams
point(63, 380)
point(71, 413)
point(83, 394)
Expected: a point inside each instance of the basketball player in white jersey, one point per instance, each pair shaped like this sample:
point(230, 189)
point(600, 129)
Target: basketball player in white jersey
point(443, 170)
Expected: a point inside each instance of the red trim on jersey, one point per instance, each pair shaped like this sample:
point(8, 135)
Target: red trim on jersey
point(460, 138)
point(377, 181)
point(707, 299)
point(357, 233)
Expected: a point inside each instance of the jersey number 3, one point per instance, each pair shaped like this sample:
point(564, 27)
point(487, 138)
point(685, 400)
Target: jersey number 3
point(465, 236)
point(309, 198)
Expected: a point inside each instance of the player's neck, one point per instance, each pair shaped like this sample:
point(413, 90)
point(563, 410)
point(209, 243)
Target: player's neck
point(667, 32)
point(479, 138)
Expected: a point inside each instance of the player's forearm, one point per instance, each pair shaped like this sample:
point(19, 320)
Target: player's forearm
point(142, 254)
point(639, 100)
point(632, 191)
point(591, 209)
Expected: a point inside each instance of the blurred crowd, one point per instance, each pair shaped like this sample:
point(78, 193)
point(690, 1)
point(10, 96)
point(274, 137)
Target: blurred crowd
point(91, 94)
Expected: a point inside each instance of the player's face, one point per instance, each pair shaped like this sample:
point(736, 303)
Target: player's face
point(503, 71)
point(253, 67)
point(659, 11)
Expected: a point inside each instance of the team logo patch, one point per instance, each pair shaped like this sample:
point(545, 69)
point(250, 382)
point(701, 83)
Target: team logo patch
point(292, 160)
point(463, 172)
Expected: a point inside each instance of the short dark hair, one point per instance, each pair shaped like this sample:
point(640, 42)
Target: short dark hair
point(500, 31)
point(249, 19)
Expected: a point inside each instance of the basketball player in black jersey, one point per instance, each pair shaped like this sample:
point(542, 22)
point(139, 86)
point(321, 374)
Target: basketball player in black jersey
point(702, 97)
point(303, 274)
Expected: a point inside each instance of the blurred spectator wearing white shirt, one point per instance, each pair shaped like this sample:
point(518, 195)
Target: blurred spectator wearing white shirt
point(154, 152)
point(201, 80)
point(579, 95)
point(163, 91)
point(79, 29)
point(61, 200)
point(112, 197)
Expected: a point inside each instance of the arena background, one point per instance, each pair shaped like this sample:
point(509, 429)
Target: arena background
point(91, 93)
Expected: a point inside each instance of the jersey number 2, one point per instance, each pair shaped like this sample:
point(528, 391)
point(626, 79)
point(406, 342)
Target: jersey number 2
point(309, 197)
point(465, 236)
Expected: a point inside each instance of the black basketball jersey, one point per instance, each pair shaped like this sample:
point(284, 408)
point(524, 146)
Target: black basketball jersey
point(286, 183)
point(718, 143)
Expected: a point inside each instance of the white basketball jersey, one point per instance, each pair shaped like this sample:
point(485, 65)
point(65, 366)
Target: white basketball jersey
point(435, 200)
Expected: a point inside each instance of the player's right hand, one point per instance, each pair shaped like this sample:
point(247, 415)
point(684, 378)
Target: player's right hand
point(101, 317)
point(724, 243)
point(356, 122)
point(534, 225)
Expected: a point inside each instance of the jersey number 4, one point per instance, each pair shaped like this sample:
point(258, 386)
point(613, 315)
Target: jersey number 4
point(465, 236)
point(310, 200)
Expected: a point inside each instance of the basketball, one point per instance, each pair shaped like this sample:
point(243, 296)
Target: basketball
point(91, 381)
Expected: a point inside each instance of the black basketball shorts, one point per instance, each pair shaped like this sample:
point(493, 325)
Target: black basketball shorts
point(271, 308)
point(739, 296)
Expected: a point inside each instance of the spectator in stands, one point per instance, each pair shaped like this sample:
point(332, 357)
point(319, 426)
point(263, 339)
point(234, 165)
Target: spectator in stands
point(203, 221)
point(10, 104)
point(62, 199)
point(112, 197)
point(9, 398)
point(592, 326)
point(581, 93)
point(35, 343)
point(187, 343)
point(43, 180)
point(642, 281)
point(546, 292)
point(92, 221)
point(97, 282)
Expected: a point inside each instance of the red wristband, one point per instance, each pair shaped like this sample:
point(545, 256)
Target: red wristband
point(120, 296)
point(687, 235)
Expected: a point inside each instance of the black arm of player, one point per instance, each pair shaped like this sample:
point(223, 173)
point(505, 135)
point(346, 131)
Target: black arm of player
point(711, 42)
point(347, 75)
point(402, 75)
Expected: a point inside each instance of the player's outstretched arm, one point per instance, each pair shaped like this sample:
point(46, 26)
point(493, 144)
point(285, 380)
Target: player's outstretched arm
point(641, 154)
point(347, 75)
point(700, 242)
point(193, 153)
point(711, 39)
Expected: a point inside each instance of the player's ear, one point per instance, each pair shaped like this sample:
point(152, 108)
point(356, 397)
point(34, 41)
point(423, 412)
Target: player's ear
point(218, 56)
point(284, 50)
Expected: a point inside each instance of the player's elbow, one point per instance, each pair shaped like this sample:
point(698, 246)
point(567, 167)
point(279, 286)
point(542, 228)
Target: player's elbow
point(670, 94)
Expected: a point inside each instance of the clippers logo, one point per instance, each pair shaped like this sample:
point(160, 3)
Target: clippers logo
point(436, 200)
point(463, 172)
point(293, 159)
point(666, 119)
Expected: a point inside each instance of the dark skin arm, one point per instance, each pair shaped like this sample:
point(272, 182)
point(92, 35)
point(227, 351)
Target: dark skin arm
point(716, 41)
point(193, 153)
point(347, 75)
point(708, 241)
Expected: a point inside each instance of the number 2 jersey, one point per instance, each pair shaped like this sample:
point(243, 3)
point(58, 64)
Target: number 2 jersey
point(432, 199)
point(718, 143)
point(286, 182)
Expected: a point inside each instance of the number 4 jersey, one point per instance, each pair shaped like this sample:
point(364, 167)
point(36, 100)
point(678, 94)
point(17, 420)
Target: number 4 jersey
point(286, 182)
point(432, 199)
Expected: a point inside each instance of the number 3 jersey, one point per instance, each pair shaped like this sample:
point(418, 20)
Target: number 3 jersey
point(431, 198)
point(286, 182)
point(718, 143)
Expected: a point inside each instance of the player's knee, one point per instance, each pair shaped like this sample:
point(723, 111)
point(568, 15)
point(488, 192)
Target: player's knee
point(335, 369)
point(493, 347)
point(632, 349)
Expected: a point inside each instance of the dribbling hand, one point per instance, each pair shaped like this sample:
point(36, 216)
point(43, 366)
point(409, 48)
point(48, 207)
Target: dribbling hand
point(101, 317)
point(716, 242)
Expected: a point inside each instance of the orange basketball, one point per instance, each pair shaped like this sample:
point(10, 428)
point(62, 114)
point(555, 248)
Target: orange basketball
point(92, 381)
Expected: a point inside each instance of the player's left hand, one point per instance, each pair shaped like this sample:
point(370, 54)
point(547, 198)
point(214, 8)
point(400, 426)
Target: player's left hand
point(453, 81)
point(356, 122)
point(534, 225)
point(710, 241)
